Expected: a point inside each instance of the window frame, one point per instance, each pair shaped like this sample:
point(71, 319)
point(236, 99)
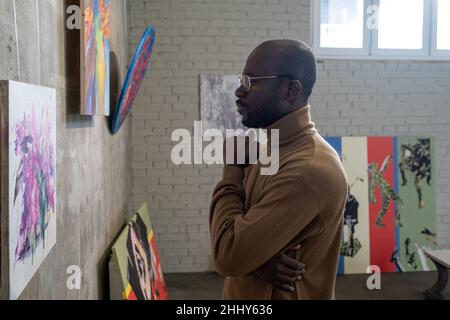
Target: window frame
point(343, 52)
point(424, 52)
point(435, 52)
point(370, 50)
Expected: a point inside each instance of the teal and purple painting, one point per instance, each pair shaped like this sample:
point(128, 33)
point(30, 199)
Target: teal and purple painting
point(133, 80)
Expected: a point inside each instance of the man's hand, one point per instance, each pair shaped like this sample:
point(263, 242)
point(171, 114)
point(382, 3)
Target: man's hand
point(283, 270)
point(245, 151)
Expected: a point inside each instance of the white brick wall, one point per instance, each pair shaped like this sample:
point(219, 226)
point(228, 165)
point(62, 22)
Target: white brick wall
point(216, 36)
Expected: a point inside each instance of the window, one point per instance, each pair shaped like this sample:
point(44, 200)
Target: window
point(341, 24)
point(443, 25)
point(382, 28)
point(400, 31)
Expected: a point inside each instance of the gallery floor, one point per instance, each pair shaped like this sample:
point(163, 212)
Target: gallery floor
point(403, 286)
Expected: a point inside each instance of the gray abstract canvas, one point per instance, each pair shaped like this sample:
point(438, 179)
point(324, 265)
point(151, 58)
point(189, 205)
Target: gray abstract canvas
point(218, 102)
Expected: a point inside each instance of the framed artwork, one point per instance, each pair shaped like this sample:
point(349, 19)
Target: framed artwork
point(28, 176)
point(135, 270)
point(218, 102)
point(390, 216)
point(133, 80)
point(95, 60)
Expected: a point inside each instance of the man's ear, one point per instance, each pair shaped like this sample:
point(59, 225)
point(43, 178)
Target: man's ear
point(295, 90)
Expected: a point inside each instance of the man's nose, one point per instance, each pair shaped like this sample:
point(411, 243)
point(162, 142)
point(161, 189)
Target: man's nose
point(240, 92)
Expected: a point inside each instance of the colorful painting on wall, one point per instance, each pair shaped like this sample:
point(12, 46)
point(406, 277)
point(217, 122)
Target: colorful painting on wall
point(218, 102)
point(133, 80)
point(29, 160)
point(135, 270)
point(390, 217)
point(95, 60)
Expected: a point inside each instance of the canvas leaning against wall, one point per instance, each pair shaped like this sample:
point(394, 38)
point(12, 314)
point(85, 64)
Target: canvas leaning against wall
point(134, 269)
point(95, 60)
point(218, 102)
point(28, 188)
point(390, 216)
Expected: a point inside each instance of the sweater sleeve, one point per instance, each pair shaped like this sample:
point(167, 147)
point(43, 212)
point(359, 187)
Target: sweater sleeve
point(243, 241)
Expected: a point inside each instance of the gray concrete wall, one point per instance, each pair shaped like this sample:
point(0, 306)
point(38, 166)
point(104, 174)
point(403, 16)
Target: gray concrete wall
point(352, 97)
point(92, 166)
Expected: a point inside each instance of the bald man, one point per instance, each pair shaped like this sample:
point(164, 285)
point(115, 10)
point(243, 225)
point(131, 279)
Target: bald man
point(264, 227)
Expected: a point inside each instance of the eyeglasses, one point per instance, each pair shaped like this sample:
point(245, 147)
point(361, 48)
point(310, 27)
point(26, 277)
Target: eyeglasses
point(245, 81)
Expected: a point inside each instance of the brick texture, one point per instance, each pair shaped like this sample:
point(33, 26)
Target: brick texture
point(215, 36)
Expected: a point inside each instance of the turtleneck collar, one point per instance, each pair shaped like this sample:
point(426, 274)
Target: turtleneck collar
point(294, 125)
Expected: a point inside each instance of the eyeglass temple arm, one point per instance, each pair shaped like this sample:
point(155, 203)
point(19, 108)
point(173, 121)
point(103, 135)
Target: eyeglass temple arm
point(264, 77)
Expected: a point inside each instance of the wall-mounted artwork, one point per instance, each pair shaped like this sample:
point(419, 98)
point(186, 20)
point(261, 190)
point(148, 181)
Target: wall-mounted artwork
point(95, 61)
point(133, 80)
point(390, 217)
point(28, 175)
point(218, 102)
point(135, 270)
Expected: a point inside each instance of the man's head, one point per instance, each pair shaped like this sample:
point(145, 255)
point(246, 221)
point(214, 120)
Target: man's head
point(269, 100)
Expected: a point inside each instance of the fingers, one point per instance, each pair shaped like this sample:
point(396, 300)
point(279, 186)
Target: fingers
point(286, 283)
point(286, 287)
point(302, 267)
point(290, 268)
point(285, 271)
point(286, 276)
point(282, 279)
point(291, 263)
point(293, 252)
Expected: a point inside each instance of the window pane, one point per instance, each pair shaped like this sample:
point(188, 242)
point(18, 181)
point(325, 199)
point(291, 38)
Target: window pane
point(400, 24)
point(341, 23)
point(443, 37)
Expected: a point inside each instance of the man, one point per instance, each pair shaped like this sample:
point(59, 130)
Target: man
point(258, 222)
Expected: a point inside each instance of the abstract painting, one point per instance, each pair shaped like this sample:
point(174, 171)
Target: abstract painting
point(135, 270)
point(218, 102)
point(95, 60)
point(133, 80)
point(390, 216)
point(29, 161)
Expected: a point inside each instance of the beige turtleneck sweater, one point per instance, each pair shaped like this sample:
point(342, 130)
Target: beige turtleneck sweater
point(254, 217)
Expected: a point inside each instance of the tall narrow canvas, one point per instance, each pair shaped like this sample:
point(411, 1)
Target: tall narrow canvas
point(390, 216)
point(95, 60)
point(28, 189)
point(135, 270)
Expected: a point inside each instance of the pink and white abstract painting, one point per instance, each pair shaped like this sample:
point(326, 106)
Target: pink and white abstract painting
point(32, 180)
